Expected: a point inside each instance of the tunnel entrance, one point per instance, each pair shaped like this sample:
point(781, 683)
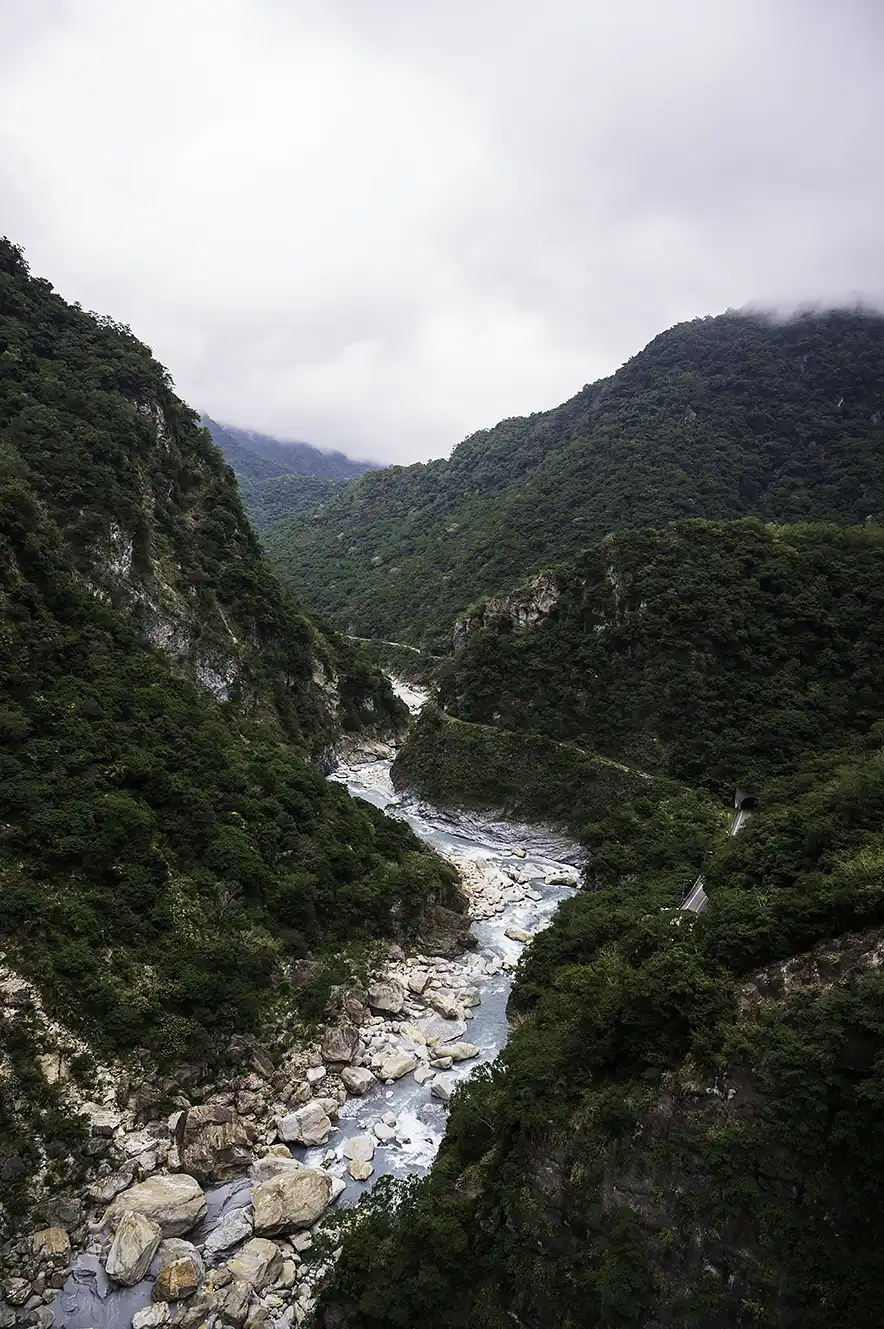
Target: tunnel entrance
point(745, 800)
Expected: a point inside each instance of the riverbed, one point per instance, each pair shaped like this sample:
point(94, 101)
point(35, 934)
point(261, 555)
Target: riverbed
point(507, 868)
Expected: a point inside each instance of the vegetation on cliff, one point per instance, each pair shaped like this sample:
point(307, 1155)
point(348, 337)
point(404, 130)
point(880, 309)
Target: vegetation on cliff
point(167, 842)
point(720, 418)
point(685, 1126)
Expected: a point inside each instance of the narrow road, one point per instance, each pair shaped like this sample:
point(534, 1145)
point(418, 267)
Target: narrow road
point(697, 899)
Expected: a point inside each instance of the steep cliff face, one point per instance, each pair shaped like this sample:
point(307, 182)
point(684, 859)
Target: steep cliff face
point(148, 517)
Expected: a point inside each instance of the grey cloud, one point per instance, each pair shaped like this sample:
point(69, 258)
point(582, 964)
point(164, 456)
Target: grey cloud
point(378, 227)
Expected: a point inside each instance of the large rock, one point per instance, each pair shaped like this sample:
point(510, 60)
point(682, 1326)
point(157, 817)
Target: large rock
point(175, 1202)
point(445, 932)
point(233, 1301)
point(232, 1229)
point(447, 1007)
point(357, 1079)
point(388, 996)
point(443, 1031)
point(456, 1051)
point(359, 1146)
point(291, 1201)
point(257, 1263)
point(309, 1125)
point(274, 1165)
point(150, 1317)
point(340, 1043)
point(177, 1279)
point(134, 1245)
point(214, 1143)
point(51, 1243)
point(359, 1169)
point(442, 1088)
point(517, 934)
point(395, 1065)
point(417, 980)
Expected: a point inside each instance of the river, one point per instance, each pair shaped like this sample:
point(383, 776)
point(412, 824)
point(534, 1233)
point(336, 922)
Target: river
point(500, 851)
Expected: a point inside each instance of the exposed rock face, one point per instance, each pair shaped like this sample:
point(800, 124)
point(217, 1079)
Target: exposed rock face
point(387, 996)
point(214, 1143)
point(340, 1043)
point(134, 1246)
point(291, 1201)
point(258, 1263)
point(175, 1202)
point(444, 931)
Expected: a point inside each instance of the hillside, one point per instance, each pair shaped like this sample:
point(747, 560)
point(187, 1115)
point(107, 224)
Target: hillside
point(710, 652)
point(278, 479)
point(168, 845)
point(718, 418)
point(685, 1126)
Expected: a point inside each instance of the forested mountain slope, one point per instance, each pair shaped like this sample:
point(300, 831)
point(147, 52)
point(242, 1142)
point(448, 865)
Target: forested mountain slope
point(167, 843)
point(685, 1127)
point(721, 417)
point(278, 479)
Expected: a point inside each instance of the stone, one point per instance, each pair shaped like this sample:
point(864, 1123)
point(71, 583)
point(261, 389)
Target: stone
point(151, 1316)
point(446, 1006)
point(233, 1301)
point(54, 1067)
point(314, 1074)
point(383, 1132)
point(359, 1146)
point(232, 1229)
point(175, 1202)
point(103, 1189)
point(441, 1064)
point(444, 1031)
point(518, 852)
point(413, 1033)
point(291, 1201)
point(214, 1143)
point(309, 1125)
point(357, 1079)
point(517, 934)
point(423, 1074)
point(560, 879)
point(388, 996)
point(102, 1121)
point(417, 981)
point(176, 1248)
point(134, 1245)
point(274, 1165)
point(441, 1089)
point(258, 1263)
point(341, 1043)
point(51, 1243)
point(456, 1051)
point(396, 1064)
point(178, 1279)
point(329, 1106)
point(360, 1169)
point(469, 997)
point(288, 1274)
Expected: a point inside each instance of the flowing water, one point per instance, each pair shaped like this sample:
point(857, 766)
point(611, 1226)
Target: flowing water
point(88, 1301)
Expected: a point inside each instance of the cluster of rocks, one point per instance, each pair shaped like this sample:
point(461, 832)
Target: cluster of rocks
point(494, 890)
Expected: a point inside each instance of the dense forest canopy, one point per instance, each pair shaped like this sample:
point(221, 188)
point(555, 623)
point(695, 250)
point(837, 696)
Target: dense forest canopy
point(167, 843)
point(720, 418)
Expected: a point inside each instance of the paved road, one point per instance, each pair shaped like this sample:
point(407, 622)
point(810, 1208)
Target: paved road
point(697, 900)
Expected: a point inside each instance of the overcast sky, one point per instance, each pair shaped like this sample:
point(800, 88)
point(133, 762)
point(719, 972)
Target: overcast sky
point(381, 224)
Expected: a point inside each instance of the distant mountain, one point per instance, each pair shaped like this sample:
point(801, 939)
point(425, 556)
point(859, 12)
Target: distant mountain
point(721, 417)
point(253, 456)
point(279, 479)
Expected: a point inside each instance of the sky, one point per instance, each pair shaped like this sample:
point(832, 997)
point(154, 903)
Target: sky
point(379, 225)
